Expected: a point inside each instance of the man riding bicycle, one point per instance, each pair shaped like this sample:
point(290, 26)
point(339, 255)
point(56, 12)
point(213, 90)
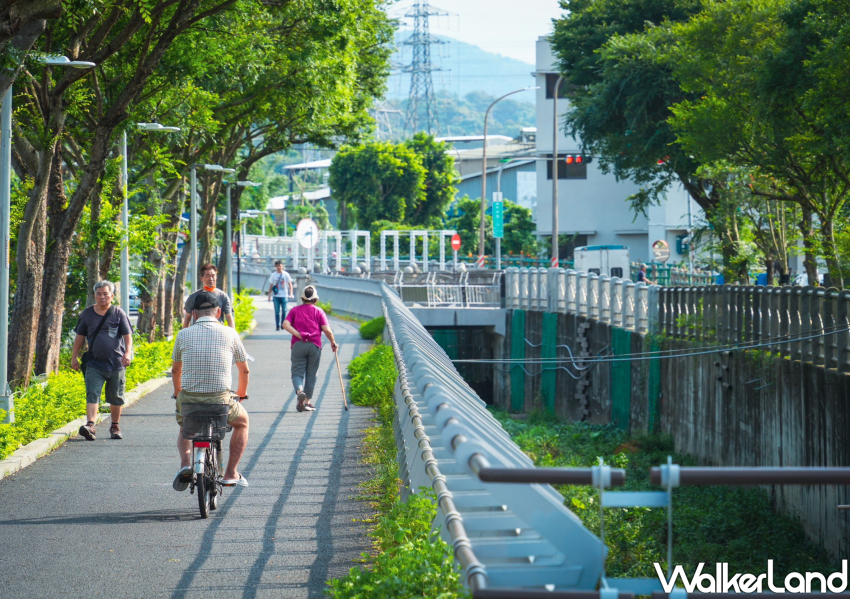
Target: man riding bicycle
point(202, 359)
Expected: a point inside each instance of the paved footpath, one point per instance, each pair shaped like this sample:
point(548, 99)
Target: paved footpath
point(100, 519)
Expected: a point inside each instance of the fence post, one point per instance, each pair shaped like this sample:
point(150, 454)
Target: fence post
point(795, 321)
point(581, 294)
point(830, 344)
point(843, 322)
point(653, 309)
point(571, 292)
point(542, 289)
point(818, 326)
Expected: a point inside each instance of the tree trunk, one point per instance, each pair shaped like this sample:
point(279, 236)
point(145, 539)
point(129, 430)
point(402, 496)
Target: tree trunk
point(180, 283)
point(808, 232)
point(26, 306)
point(49, 339)
point(160, 307)
point(827, 232)
point(93, 258)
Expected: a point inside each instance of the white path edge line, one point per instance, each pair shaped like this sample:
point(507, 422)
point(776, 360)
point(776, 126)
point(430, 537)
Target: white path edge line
point(29, 453)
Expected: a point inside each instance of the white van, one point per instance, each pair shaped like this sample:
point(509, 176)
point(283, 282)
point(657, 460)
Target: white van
point(609, 260)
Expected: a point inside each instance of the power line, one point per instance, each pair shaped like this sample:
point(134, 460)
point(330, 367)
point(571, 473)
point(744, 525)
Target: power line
point(644, 357)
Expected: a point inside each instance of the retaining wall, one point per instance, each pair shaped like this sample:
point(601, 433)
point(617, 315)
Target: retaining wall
point(744, 408)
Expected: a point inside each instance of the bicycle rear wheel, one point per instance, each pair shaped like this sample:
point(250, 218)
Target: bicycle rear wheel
point(202, 487)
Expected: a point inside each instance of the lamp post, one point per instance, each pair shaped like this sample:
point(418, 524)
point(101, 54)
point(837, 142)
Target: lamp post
point(6, 401)
point(125, 210)
point(555, 225)
point(484, 173)
point(244, 215)
point(193, 217)
point(229, 232)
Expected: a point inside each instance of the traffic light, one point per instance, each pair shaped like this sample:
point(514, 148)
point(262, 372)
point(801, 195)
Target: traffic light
point(578, 159)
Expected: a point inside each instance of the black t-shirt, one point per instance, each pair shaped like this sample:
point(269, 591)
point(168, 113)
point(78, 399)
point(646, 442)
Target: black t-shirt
point(108, 347)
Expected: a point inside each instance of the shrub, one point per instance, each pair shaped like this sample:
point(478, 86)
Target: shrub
point(326, 307)
point(243, 305)
point(373, 328)
point(51, 403)
point(250, 291)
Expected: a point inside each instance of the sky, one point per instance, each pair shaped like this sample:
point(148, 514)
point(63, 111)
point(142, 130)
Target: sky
point(506, 27)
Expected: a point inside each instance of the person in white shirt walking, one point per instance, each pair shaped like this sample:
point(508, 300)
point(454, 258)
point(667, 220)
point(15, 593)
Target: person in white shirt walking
point(278, 291)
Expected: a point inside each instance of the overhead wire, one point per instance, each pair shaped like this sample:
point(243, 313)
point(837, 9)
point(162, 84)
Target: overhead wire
point(787, 338)
point(592, 361)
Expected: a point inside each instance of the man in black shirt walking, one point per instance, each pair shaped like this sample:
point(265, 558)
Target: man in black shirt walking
point(109, 334)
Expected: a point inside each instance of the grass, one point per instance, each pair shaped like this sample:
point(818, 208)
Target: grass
point(408, 559)
point(710, 524)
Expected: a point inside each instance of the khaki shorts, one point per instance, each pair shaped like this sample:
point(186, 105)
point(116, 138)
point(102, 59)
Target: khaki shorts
point(236, 408)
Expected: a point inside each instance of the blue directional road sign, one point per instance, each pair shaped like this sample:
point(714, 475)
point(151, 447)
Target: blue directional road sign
point(498, 215)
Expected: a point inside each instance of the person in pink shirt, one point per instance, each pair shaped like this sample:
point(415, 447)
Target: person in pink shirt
point(306, 323)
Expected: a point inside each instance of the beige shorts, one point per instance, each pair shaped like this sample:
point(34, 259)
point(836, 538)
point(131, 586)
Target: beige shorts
point(236, 408)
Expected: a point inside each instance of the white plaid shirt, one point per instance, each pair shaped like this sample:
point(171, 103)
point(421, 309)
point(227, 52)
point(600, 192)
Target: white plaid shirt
point(208, 350)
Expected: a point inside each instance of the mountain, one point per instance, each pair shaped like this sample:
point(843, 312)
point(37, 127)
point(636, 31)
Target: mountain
point(472, 78)
point(466, 69)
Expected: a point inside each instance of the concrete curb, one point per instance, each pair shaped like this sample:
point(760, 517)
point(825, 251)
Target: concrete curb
point(26, 455)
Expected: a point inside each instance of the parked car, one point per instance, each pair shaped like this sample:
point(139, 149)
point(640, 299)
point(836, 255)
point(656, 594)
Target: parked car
point(135, 301)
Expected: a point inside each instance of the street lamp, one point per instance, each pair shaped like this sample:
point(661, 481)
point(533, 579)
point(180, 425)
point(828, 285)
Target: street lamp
point(125, 211)
point(484, 173)
point(556, 250)
point(243, 215)
point(193, 217)
point(6, 402)
point(228, 234)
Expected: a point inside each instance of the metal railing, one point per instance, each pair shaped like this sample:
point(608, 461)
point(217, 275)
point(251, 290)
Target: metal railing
point(502, 535)
point(668, 476)
point(611, 300)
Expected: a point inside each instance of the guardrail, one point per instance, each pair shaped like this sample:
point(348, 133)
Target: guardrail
point(502, 535)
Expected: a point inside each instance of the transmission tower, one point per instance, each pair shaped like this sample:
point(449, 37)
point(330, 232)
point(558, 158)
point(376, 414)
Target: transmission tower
point(421, 106)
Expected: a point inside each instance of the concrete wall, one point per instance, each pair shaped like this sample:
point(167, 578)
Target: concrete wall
point(739, 409)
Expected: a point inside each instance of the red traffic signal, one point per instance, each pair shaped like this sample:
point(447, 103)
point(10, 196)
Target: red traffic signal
point(577, 159)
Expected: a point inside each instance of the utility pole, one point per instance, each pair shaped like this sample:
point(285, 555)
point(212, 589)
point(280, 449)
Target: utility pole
point(421, 105)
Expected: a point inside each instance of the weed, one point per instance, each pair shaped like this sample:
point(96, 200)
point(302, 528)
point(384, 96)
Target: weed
point(408, 559)
point(710, 524)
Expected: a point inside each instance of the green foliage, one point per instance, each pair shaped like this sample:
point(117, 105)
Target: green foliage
point(379, 180)
point(440, 179)
point(326, 307)
point(711, 524)
point(251, 291)
point(373, 328)
point(47, 405)
point(408, 559)
point(244, 307)
point(413, 561)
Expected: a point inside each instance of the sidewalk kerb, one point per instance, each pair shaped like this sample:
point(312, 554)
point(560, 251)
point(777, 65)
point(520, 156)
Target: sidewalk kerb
point(29, 453)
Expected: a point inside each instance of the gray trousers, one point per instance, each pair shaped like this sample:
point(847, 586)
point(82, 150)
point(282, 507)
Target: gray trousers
point(305, 365)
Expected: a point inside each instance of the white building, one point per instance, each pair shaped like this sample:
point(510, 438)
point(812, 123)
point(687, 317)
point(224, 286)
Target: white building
point(593, 206)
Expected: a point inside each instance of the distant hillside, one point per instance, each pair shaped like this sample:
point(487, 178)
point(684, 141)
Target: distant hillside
point(467, 68)
point(475, 79)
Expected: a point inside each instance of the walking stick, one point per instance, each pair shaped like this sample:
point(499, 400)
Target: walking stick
point(341, 384)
